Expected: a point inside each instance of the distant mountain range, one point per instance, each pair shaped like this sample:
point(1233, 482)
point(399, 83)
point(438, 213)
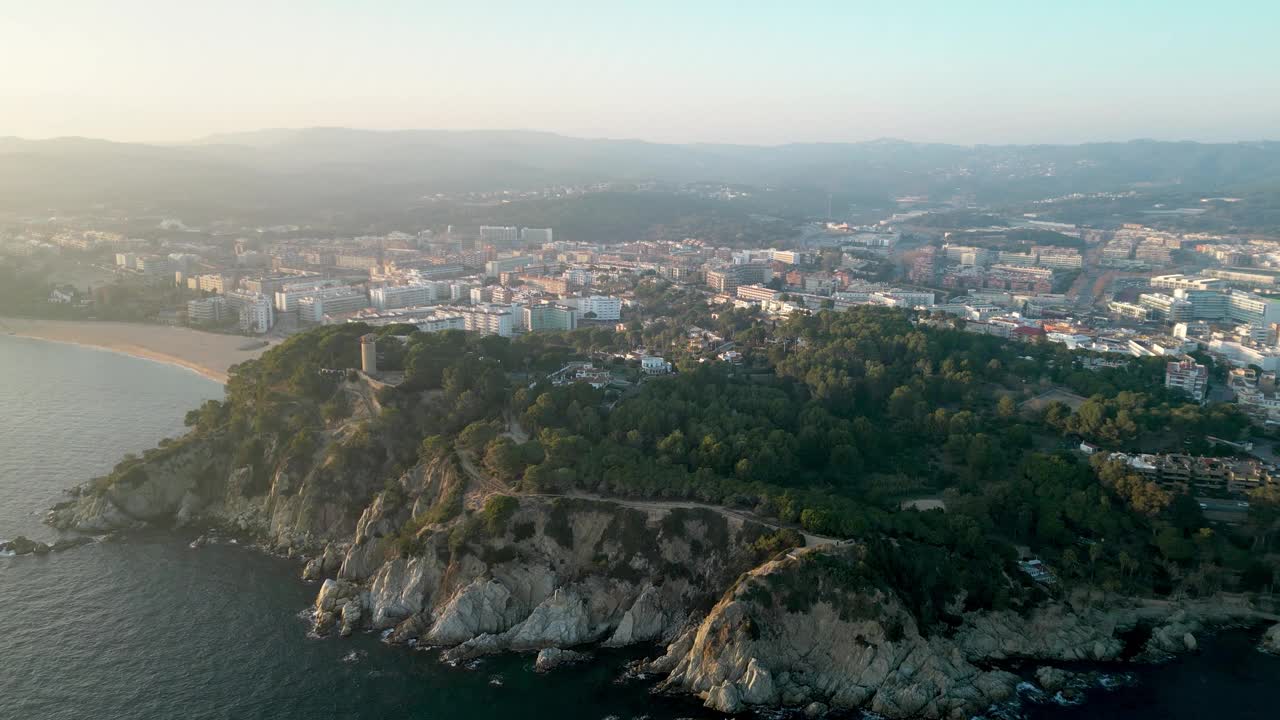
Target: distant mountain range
point(337, 169)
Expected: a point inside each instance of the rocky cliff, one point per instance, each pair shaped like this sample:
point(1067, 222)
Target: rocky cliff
point(785, 635)
point(531, 573)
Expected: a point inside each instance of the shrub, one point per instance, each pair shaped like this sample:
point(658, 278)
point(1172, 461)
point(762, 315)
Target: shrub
point(498, 509)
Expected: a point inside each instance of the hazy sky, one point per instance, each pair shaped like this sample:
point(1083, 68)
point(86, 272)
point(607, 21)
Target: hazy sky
point(748, 71)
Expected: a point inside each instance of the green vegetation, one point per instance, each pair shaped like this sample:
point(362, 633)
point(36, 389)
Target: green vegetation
point(498, 509)
point(832, 422)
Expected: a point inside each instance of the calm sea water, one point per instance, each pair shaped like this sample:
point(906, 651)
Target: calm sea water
point(148, 629)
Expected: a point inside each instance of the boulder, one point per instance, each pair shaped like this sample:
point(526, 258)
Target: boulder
point(1271, 640)
point(1052, 679)
point(815, 710)
point(725, 698)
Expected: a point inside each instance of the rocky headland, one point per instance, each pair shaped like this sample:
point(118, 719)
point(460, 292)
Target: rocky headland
point(740, 616)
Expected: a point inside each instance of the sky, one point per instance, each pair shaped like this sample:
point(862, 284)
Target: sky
point(749, 71)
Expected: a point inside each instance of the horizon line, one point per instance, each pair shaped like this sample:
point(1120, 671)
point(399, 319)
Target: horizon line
point(207, 138)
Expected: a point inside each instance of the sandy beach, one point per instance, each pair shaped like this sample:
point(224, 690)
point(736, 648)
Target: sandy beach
point(209, 354)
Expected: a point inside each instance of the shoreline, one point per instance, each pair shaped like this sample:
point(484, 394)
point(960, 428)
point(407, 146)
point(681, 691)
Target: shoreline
point(209, 355)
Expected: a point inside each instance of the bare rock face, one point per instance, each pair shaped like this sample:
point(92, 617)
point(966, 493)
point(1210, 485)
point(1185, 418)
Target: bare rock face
point(557, 573)
point(860, 649)
point(645, 621)
point(400, 588)
point(483, 607)
point(561, 620)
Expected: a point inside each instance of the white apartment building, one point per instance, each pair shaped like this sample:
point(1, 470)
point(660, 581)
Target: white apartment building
point(549, 316)
point(1242, 355)
point(330, 301)
point(487, 319)
point(287, 296)
point(499, 235)
point(604, 307)
point(207, 310)
point(539, 236)
point(254, 310)
point(903, 298)
point(1186, 282)
point(397, 296)
point(1189, 376)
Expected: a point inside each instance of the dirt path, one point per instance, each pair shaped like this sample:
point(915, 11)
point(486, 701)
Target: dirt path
point(810, 540)
point(487, 485)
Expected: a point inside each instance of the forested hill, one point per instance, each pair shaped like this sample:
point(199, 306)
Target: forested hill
point(832, 422)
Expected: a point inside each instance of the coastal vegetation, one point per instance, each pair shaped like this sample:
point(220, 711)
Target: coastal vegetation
point(833, 422)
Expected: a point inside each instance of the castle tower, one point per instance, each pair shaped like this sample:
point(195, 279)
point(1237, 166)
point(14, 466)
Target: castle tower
point(369, 353)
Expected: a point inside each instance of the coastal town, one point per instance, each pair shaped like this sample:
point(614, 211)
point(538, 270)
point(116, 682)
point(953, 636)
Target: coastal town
point(1207, 303)
point(639, 361)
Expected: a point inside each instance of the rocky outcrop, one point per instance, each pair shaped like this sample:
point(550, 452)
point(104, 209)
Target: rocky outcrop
point(1271, 640)
point(337, 602)
point(763, 644)
point(22, 545)
point(552, 658)
point(1177, 634)
point(1055, 632)
point(776, 639)
point(1053, 679)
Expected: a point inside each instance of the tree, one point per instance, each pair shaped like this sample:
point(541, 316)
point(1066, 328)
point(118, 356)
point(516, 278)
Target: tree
point(504, 459)
point(1006, 407)
point(1185, 514)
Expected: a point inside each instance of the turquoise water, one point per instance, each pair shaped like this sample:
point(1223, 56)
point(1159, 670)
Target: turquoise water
point(148, 629)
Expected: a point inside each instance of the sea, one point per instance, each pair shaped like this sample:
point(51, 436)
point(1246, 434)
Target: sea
point(147, 628)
